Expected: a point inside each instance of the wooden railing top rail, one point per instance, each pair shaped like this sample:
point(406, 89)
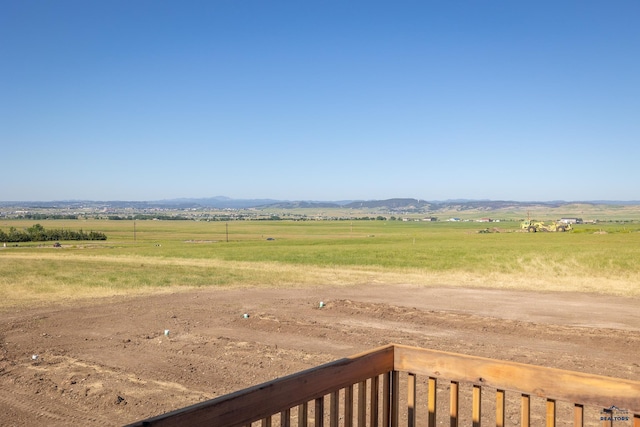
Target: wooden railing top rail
point(557, 384)
point(243, 407)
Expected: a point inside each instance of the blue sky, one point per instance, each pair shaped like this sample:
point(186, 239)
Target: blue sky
point(319, 100)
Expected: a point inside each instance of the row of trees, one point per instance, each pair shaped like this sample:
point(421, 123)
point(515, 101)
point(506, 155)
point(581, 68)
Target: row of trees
point(43, 216)
point(37, 233)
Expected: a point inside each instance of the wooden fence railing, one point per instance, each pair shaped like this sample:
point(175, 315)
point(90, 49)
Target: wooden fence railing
point(379, 388)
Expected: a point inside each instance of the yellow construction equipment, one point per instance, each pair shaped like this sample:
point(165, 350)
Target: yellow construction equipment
point(534, 226)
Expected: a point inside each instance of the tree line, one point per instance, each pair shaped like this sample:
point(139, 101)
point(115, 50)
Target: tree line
point(37, 233)
point(42, 216)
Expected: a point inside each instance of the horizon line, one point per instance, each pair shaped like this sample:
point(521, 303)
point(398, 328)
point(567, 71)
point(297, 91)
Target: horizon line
point(275, 200)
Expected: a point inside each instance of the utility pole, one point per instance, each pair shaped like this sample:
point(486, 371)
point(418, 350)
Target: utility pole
point(227, 227)
point(134, 230)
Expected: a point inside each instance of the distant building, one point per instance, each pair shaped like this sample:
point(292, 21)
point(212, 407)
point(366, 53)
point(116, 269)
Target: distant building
point(485, 220)
point(571, 220)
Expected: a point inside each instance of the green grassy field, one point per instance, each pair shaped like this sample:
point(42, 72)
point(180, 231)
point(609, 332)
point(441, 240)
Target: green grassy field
point(152, 256)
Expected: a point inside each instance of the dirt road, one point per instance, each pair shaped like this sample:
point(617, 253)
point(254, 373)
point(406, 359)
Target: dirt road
point(109, 362)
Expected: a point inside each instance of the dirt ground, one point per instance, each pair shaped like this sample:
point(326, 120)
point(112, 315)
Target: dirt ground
point(109, 362)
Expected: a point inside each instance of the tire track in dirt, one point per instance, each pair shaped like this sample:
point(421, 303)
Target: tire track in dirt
point(78, 387)
point(41, 410)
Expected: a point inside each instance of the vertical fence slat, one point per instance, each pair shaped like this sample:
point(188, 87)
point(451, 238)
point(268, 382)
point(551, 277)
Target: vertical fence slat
point(303, 417)
point(578, 415)
point(319, 418)
point(431, 401)
point(636, 420)
point(386, 399)
point(348, 406)
point(375, 403)
point(362, 404)
point(551, 413)
point(285, 418)
point(500, 407)
point(395, 398)
point(607, 414)
point(453, 404)
point(476, 406)
point(411, 400)
point(266, 422)
point(525, 411)
point(334, 410)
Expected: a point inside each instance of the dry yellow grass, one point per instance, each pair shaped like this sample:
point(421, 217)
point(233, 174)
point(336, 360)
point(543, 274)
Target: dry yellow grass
point(163, 258)
point(47, 277)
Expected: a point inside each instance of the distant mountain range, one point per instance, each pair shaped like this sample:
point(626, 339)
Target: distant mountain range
point(409, 204)
point(221, 202)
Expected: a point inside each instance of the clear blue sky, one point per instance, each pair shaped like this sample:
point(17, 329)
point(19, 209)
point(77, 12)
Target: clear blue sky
point(320, 100)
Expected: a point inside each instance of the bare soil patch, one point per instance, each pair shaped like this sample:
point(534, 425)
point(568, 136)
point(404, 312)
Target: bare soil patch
point(109, 362)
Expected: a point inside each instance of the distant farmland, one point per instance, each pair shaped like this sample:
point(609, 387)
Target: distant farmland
point(149, 256)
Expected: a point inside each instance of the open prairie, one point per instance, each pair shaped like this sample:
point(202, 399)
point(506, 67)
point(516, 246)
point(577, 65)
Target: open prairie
point(82, 334)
